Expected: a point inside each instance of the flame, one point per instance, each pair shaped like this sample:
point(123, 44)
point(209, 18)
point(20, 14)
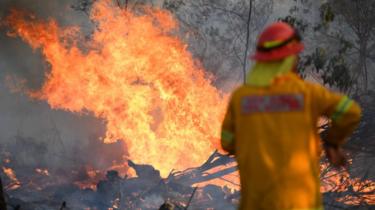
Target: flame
point(12, 176)
point(6, 160)
point(135, 75)
point(42, 171)
point(340, 181)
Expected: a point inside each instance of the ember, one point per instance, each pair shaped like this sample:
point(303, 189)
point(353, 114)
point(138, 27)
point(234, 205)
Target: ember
point(43, 172)
point(361, 191)
point(12, 176)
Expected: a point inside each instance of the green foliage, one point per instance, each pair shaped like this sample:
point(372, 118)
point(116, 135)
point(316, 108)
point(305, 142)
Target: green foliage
point(333, 69)
point(326, 14)
point(172, 5)
point(330, 65)
point(300, 25)
point(337, 73)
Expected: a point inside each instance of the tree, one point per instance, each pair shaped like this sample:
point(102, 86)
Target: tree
point(219, 32)
point(247, 39)
point(359, 15)
point(330, 61)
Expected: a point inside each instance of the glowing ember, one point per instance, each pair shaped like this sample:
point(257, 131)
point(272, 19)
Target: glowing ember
point(41, 171)
point(137, 77)
point(93, 177)
point(12, 176)
point(6, 160)
point(340, 181)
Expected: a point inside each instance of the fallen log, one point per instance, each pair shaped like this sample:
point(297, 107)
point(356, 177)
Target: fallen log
point(201, 174)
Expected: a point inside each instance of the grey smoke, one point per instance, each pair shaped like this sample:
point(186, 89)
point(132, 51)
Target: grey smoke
point(33, 119)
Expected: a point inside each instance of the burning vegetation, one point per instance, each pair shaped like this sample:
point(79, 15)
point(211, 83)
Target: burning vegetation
point(137, 76)
point(162, 116)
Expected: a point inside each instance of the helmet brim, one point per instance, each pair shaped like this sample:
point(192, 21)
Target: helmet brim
point(278, 54)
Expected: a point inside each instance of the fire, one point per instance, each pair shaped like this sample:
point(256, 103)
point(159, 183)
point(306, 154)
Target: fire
point(94, 176)
point(135, 75)
point(42, 171)
point(12, 176)
point(340, 181)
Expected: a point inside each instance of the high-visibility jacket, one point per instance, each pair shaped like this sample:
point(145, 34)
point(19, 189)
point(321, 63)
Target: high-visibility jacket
point(272, 131)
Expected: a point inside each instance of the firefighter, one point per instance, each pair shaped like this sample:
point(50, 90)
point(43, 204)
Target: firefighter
point(271, 127)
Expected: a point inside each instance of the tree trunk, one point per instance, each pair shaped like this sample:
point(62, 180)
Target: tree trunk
point(247, 40)
point(363, 65)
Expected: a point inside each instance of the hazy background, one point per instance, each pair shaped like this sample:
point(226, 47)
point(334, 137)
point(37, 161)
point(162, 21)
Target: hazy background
point(20, 115)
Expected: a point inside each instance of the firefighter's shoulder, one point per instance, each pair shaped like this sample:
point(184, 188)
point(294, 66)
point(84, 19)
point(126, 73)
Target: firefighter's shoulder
point(243, 90)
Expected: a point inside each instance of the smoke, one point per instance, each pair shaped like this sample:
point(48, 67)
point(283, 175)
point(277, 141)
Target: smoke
point(32, 134)
point(18, 58)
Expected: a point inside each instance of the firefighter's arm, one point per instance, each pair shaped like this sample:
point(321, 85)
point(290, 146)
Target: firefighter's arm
point(344, 114)
point(227, 130)
point(344, 119)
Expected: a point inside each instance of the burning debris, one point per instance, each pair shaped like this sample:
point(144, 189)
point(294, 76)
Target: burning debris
point(192, 188)
point(147, 190)
point(12, 176)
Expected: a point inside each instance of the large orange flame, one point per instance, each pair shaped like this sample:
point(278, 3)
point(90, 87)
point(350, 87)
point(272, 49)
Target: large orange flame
point(137, 76)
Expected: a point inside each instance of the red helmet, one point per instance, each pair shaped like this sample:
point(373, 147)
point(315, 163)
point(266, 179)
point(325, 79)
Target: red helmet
point(279, 40)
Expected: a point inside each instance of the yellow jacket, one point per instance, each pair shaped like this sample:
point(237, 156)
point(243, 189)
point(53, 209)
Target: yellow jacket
point(272, 131)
